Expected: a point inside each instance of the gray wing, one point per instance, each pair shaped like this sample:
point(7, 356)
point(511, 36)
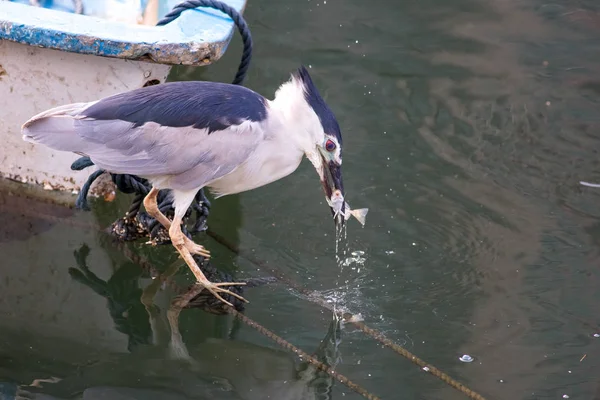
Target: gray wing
point(191, 157)
point(188, 156)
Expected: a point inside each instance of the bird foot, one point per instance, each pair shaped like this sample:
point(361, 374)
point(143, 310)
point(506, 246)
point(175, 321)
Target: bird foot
point(215, 288)
point(195, 248)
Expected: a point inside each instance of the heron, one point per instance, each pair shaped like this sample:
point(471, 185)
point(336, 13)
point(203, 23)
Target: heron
point(188, 135)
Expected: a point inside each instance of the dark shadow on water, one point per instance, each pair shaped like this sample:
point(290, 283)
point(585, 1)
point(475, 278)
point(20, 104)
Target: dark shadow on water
point(17, 225)
point(122, 293)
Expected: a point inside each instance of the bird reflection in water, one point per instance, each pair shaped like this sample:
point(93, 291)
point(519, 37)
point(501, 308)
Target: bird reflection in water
point(233, 368)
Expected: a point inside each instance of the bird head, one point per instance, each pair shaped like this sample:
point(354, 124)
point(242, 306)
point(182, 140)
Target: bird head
point(318, 135)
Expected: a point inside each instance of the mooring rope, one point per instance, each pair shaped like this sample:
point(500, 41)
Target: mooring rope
point(380, 337)
point(239, 21)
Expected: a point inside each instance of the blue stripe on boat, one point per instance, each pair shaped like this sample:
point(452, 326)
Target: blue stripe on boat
point(196, 36)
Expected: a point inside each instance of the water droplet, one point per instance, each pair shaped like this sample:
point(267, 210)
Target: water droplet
point(466, 358)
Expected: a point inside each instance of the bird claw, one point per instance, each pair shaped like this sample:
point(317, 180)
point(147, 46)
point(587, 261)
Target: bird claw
point(214, 288)
point(195, 248)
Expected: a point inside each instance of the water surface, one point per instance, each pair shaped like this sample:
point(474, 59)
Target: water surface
point(467, 126)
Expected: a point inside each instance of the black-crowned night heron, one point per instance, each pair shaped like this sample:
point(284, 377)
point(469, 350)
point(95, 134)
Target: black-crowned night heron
point(185, 136)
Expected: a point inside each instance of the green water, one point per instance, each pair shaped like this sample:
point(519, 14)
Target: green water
point(467, 126)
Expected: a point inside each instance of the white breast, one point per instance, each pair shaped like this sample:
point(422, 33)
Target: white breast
point(272, 160)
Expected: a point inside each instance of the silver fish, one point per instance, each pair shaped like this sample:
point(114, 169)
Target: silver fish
point(360, 214)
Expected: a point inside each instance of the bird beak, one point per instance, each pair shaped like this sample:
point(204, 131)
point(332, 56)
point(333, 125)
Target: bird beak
point(333, 186)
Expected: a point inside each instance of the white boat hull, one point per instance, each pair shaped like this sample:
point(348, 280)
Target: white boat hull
point(34, 79)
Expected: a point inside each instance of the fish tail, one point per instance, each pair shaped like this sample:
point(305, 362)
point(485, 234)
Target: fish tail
point(360, 215)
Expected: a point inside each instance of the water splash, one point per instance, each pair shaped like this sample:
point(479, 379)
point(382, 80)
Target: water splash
point(356, 258)
point(348, 262)
point(341, 246)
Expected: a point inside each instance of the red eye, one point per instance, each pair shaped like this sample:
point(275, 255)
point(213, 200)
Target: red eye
point(329, 145)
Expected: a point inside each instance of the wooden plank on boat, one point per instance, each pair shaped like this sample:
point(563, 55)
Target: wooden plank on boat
point(197, 37)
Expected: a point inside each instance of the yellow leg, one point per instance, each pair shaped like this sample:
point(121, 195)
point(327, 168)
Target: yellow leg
point(152, 208)
point(178, 240)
